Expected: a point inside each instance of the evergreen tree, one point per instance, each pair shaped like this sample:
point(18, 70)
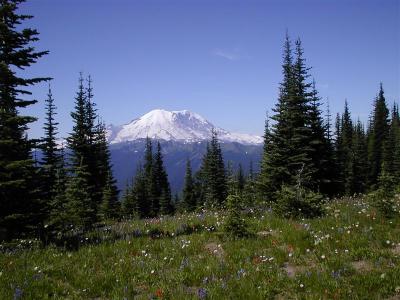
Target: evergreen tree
point(78, 139)
point(240, 179)
point(140, 197)
point(20, 205)
point(395, 128)
point(250, 188)
point(298, 201)
point(58, 215)
point(330, 188)
point(51, 155)
point(151, 186)
point(360, 159)
point(128, 207)
point(189, 197)
point(274, 169)
point(213, 176)
point(231, 179)
point(378, 135)
point(78, 206)
point(105, 179)
point(235, 223)
point(110, 206)
point(97, 157)
point(82, 155)
point(289, 139)
point(264, 180)
point(344, 152)
point(391, 154)
point(163, 191)
point(321, 154)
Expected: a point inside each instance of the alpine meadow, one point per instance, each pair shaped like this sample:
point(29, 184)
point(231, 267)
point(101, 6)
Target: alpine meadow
point(171, 206)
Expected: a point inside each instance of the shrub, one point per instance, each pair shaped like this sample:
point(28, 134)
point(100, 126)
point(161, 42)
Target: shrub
point(298, 202)
point(383, 198)
point(235, 224)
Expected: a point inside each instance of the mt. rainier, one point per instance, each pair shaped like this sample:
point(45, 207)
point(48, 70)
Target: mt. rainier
point(174, 126)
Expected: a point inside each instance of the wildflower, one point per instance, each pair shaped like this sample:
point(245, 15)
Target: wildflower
point(241, 273)
point(202, 293)
point(301, 285)
point(388, 242)
point(152, 271)
point(159, 293)
point(323, 256)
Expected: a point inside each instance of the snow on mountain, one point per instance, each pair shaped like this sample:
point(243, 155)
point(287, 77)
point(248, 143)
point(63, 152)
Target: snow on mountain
point(174, 125)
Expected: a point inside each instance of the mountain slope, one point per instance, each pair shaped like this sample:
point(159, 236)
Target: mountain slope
point(128, 155)
point(182, 125)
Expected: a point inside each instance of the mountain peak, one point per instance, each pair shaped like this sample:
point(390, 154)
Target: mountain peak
point(182, 125)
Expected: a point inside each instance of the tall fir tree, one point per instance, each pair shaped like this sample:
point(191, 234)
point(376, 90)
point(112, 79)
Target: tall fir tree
point(97, 159)
point(105, 179)
point(390, 161)
point(240, 178)
point(79, 207)
point(188, 195)
point(82, 155)
point(213, 175)
point(378, 134)
point(289, 138)
point(331, 187)
point(274, 169)
point(360, 159)
point(320, 144)
point(344, 151)
point(110, 207)
point(20, 205)
point(162, 196)
point(395, 134)
point(140, 195)
point(127, 204)
point(149, 178)
point(51, 156)
point(250, 191)
point(58, 216)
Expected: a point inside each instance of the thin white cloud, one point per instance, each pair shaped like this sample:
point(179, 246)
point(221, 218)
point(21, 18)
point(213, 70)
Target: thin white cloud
point(230, 55)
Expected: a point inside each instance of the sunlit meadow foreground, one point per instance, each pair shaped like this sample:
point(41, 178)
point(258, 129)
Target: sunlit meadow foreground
point(350, 253)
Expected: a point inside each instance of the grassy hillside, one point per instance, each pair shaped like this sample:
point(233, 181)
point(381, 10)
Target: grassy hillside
point(351, 253)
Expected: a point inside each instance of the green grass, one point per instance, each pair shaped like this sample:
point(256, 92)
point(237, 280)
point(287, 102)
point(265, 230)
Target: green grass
point(351, 253)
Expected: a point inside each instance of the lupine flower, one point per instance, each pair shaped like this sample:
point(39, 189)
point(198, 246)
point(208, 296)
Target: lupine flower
point(202, 293)
point(18, 293)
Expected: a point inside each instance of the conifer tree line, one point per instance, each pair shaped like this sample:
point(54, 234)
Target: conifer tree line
point(71, 188)
point(303, 157)
point(149, 194)
point(306, 156)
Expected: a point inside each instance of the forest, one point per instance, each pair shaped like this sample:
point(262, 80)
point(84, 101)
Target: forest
point(307, 157)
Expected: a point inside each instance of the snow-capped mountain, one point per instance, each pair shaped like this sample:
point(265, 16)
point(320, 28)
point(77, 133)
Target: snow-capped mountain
point(174, 126)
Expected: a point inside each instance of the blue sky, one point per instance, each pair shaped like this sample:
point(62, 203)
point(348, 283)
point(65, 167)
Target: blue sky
point(221, 59)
